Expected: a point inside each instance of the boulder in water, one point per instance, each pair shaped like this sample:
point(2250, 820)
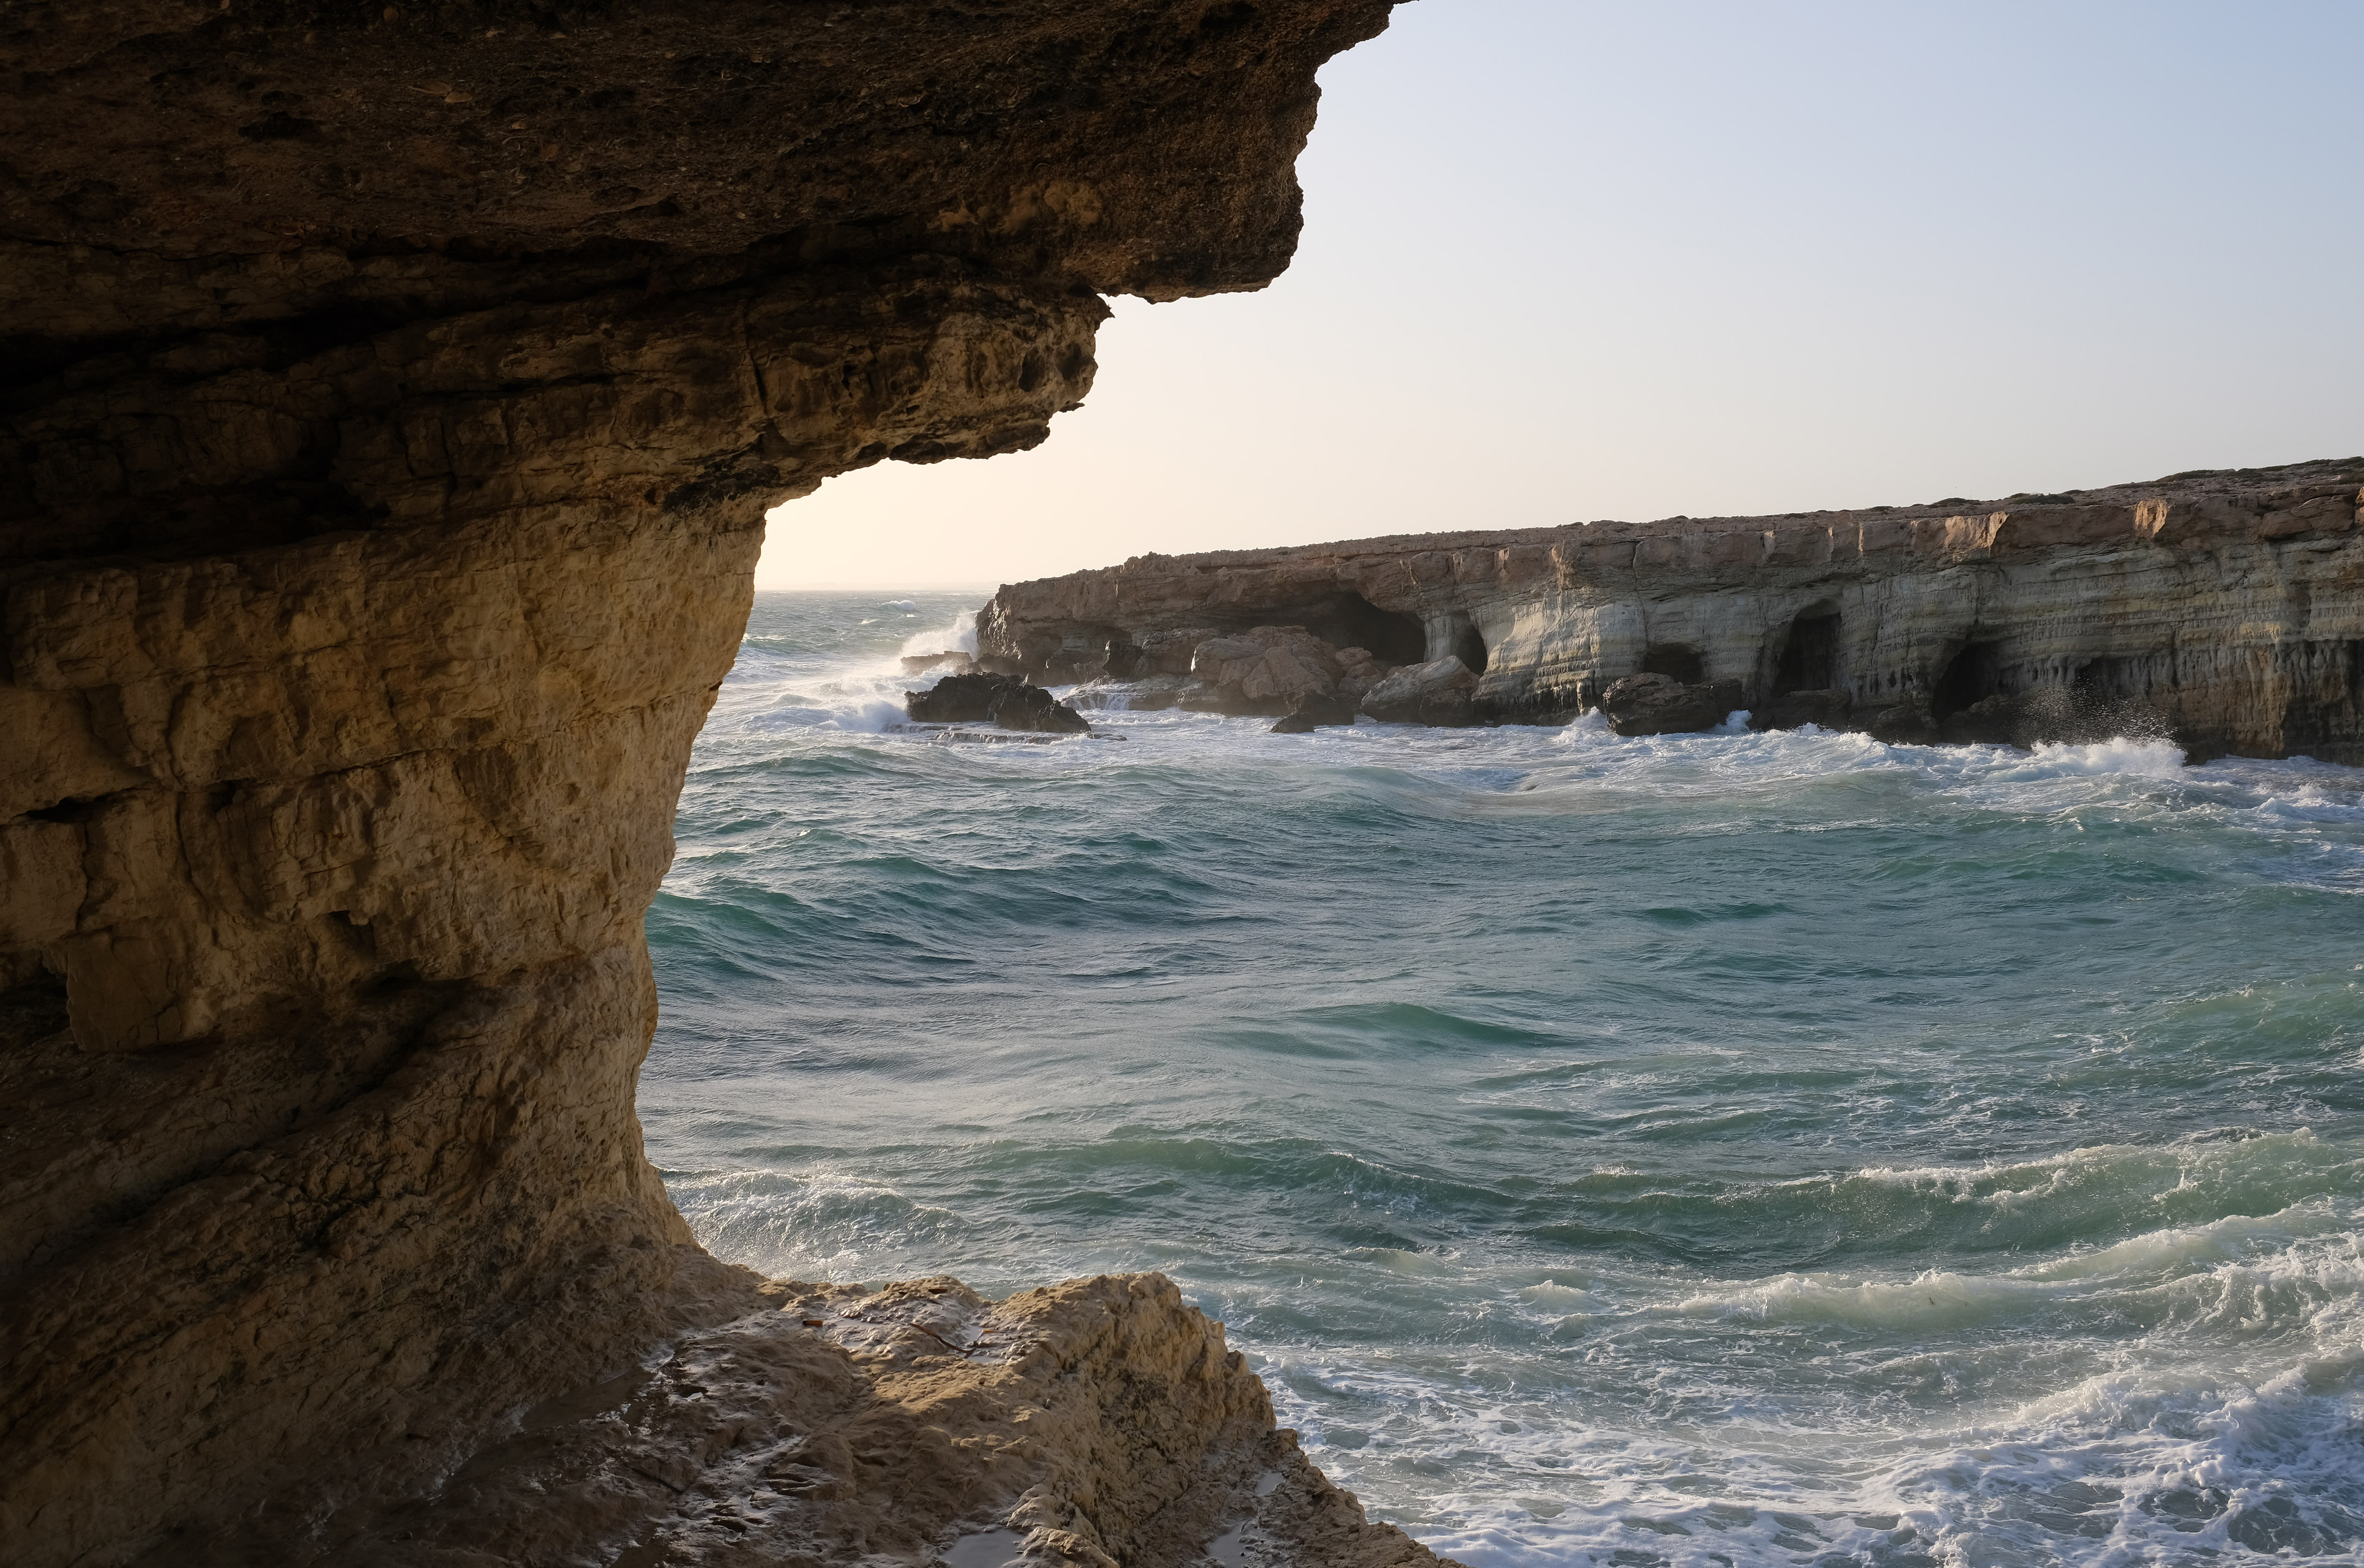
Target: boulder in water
point(1002, 700)
point(1902, 725)
point(1660, 705)
point(1441, 692)
point(1359, 671)
point(1309, 713)
point(1267, 670)
point(1998, 720)
point(1829, 709)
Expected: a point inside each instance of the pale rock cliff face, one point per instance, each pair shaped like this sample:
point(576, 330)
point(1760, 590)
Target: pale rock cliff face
point(393, 395)
point(2225, 608)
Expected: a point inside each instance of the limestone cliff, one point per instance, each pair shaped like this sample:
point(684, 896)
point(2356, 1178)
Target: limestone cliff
point(2225, 607)
point(393, 395)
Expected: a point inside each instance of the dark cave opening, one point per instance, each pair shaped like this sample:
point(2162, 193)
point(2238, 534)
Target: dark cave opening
point(1469, 647)
point(2109, 678)
point(1347, 620)
point(1810, 655)
point(1973, 675)
point(1675, 660)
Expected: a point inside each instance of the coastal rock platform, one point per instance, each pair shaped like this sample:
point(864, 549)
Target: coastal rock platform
point(1101, 1422)
point(2223, 607)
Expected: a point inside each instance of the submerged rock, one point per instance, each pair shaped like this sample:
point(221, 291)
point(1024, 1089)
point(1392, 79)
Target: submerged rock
point(1442, 692)
point(1660, 705)
point(1002, 700)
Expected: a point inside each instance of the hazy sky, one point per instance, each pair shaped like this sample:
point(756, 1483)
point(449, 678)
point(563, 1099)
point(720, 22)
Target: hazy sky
point(1568, 261)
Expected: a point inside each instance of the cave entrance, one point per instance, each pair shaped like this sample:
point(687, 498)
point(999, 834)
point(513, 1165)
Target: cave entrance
point(2107, 678)
point(1973, 675)
point(1347, 620)
point(1810, 655)
point(1469, 647)
point(1677, 660)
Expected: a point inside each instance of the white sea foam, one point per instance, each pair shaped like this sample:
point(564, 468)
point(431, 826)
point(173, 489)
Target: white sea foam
point(2136, 758)
point(2232, 1421)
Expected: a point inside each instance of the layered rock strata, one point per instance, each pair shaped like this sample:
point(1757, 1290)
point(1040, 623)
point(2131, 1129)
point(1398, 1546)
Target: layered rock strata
point(2225, 608)
point(392, 397)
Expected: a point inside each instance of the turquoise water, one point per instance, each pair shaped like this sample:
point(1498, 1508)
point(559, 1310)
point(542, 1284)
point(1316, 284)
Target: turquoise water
point(1715, 1149)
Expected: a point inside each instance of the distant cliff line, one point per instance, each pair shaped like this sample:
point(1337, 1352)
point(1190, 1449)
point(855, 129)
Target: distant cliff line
point(2224, 607)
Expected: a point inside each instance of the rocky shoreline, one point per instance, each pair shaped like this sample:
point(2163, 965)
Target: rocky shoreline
point(1096, 1423)
point(2223, 609)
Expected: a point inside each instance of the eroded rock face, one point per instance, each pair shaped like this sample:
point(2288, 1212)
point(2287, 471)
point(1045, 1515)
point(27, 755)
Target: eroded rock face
point(393, 395)
point(2225, 609)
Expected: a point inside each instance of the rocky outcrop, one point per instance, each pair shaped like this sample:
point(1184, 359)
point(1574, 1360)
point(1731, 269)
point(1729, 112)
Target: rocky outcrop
point(392, 397)
point(2225, 608)
point(1004, 701)
point(1100, 1422)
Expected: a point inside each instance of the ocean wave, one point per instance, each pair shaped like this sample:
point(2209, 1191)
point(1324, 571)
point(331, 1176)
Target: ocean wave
point(1735, 1148)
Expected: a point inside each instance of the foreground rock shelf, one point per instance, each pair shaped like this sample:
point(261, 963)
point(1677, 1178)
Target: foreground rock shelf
point(393, 397)
point(1099, 1423)
point(2224, 608)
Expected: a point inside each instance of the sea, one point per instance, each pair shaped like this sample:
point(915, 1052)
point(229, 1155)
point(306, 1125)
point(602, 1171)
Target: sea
point(1724, 1149)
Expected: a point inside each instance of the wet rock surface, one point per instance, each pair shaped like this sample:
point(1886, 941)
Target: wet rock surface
point(1004, 701)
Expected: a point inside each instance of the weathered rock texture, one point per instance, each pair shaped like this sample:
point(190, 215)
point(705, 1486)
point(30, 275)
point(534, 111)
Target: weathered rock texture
point(1096, 1424)
point(2226, 608)
point(393, 393)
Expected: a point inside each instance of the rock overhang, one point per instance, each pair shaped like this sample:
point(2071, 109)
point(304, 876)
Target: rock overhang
point(394, 394)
